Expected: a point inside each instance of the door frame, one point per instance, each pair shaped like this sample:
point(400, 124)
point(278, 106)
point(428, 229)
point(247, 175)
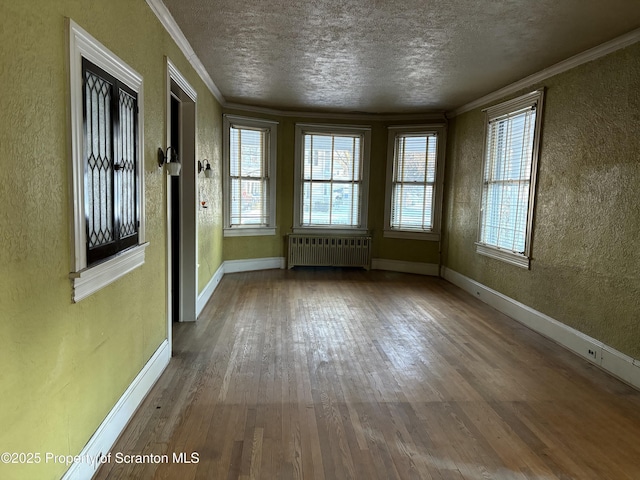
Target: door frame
point(179, 87)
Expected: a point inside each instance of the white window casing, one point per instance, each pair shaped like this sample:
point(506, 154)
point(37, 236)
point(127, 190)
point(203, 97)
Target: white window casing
point(88, 279)
point(414, 181)
point(511, 151)
point(331, 178)
point(241, 217)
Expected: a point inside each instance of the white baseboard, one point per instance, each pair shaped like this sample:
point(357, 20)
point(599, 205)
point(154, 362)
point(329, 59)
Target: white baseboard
point(233, 266)
point(252, 264)
point(112, 426)
point(205, 295)
point(405, 267)
point(609, 359)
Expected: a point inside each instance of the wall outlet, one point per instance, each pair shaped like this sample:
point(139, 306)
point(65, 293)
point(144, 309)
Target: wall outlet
point(592, 354)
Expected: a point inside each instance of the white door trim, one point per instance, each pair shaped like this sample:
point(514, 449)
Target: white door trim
point(181, 88)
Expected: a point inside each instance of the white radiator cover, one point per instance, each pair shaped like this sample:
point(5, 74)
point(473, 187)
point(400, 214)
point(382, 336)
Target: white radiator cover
point(329, 250)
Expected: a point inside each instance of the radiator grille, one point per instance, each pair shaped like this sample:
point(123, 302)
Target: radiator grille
point(332, 251)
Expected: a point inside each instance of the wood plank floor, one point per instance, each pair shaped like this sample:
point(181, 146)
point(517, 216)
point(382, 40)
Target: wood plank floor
point(345, 374)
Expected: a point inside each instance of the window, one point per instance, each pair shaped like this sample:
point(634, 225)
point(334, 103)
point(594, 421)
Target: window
point(332, 164)
point(110, 136)
point(508, 190)
point(414, 182)
point(108, 203)
point(250, 153)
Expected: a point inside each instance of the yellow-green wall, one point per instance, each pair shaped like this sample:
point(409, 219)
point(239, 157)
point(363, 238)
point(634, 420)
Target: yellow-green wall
point(585, 268)
point(65, 365)
point(236, 248)
point(209, 219)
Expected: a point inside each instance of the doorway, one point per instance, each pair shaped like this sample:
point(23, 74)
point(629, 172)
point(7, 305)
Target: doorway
point(174, 214)
point(181, 202)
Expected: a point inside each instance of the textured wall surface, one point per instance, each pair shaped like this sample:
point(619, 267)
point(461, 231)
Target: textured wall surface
point(65, 365)
point(210, 189)
point(275, 246)
point(585, 266)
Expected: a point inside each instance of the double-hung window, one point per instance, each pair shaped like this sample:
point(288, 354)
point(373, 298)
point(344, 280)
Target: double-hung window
point(107, 165)
point(332, 165)
point(415, 168)
point(509, 178)
point(250, 155)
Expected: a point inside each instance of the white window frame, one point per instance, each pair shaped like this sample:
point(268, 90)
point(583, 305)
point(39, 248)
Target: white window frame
point(271, 127)
point(88, 280)
point(535, 100)
point(433, 234)
point(306, 128)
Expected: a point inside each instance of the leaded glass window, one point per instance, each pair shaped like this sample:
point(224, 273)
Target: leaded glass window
point(110, 136)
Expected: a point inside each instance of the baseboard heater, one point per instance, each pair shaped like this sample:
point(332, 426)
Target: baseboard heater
point(329, 250)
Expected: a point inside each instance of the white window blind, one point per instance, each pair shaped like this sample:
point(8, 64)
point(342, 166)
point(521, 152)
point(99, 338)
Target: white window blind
point(413, 182)
point(249, 176)
point(331, 180)
point(510, 165)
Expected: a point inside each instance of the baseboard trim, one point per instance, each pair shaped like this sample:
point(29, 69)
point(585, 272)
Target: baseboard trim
point(205, 295)
point(110, 429)
point(233, 266)
point(405, 267)
point(609, 359)
point(253, 264)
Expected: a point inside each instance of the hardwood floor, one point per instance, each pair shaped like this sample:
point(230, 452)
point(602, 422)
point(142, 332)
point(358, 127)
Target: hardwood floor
point(347, 374)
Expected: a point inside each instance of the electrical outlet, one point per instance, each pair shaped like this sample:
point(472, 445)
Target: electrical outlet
point(592, 354)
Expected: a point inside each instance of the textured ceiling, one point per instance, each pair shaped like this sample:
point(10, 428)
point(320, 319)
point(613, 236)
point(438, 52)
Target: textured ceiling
point(388, 56)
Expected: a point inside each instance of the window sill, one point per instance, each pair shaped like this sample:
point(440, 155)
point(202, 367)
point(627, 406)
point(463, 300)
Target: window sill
point(91, 279)
point(329, 231)
point(516, 259)
point(249, 231)
point(412, 235)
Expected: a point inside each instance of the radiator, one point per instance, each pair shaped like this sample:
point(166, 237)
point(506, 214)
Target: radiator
point(332, 251)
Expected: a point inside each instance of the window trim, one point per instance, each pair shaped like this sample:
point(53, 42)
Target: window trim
point(439, 129)
point(300, 130)
point(250, 122)
point(88, 280)
point(535, 98)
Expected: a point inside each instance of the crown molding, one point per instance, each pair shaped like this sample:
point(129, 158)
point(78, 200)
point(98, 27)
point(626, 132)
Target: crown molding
point(172, 28)
point(174, 31)
point(379, 117)
point(170, 25)
point(560, 67)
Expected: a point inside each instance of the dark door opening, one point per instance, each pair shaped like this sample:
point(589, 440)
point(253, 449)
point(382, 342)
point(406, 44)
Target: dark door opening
point(174, 186)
